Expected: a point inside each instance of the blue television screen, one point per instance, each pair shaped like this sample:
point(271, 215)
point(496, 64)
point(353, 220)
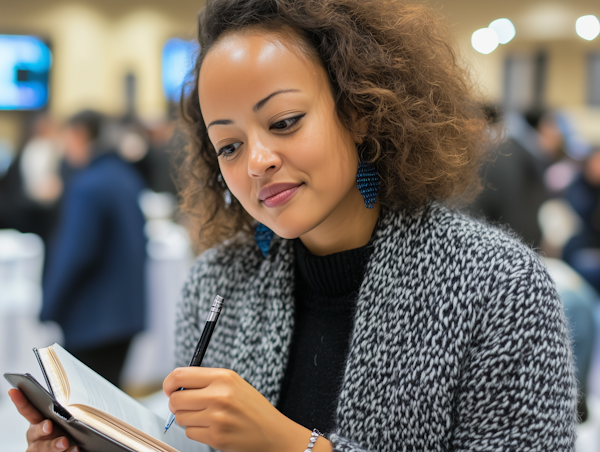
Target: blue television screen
point(177, 63)
point(24, 66)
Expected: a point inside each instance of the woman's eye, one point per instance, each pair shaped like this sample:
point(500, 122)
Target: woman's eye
point(286, 124)
point(229, 149)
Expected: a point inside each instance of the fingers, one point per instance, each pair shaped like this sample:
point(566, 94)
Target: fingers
point(42, 431)
point(41, 435)
point(192, 418)
point(26, 409)
point(200, 434)
point(59, 444)
point(55, 445)
point(190, 399)
point(194, 378)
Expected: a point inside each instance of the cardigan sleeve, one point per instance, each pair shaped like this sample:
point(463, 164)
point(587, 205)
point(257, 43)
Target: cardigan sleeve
point(517, 389)
point(341, 444)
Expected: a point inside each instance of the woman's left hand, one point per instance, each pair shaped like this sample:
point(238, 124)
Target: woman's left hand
point(221, 409)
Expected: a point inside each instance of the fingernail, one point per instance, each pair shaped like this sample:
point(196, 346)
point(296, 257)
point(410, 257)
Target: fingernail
point(46, 427)
point(75, 449)
point(61, 444)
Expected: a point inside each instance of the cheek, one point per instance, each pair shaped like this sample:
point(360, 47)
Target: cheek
point(236, 177)
point(330, 159)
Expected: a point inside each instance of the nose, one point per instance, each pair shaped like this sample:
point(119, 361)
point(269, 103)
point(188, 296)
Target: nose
point(261, 160)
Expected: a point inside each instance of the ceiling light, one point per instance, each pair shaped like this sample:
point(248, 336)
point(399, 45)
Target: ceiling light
point(505, 30)
point(485, 40)
point(588, 27)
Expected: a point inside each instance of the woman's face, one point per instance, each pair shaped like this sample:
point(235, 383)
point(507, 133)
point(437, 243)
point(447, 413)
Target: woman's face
point(282, 150)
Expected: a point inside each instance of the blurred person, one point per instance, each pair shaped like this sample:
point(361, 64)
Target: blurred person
point(163, 135)
point(513, 181)
point(530, 166)
point(40, 163)
point(145, 147)
point(32, 186)
point(133, 144)
point(580, 187)
point(94, 282)
point(582, 251)
point(560, 169)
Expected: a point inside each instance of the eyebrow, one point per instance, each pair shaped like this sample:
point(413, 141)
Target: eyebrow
point(258, 106)
point(222, 122)
point(261, 103)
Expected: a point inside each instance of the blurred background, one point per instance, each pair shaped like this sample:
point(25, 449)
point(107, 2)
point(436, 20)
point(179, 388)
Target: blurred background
point(89, 95)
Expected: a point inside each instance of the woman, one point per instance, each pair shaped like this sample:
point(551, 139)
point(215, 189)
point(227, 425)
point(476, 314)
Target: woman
point(375, 314)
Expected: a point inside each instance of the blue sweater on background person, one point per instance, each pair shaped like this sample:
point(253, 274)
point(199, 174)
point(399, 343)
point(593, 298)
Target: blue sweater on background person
point(94, 281)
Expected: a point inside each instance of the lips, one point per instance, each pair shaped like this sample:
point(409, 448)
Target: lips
point(278, 194)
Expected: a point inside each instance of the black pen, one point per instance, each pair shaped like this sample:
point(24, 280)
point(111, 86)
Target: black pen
point(211, 321)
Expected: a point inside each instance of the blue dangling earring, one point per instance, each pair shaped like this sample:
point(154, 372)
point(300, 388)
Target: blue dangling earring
point(367, 181)
point(263, 237)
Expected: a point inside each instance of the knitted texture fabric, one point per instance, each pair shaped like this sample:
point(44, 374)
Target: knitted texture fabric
point(459, 342)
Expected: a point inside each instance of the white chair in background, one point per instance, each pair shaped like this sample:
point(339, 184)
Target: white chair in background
point(21, 263)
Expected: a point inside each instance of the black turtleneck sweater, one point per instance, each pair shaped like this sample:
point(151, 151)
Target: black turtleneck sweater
point(326, 293)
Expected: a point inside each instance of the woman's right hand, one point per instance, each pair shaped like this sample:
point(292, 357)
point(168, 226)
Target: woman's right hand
point(42, 436)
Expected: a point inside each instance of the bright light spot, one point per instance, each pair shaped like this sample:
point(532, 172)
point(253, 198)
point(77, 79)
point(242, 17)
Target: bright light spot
point(485, 40)
point(505, 30)
point(588, 27)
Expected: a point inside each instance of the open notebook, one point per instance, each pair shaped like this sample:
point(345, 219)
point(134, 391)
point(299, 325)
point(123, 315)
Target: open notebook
point(97, 415)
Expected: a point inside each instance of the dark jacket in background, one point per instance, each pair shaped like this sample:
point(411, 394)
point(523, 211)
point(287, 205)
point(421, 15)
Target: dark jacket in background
point(585, 200)
point(18, 211)
point(514, 191)
point(94, 280)
point(582, 250)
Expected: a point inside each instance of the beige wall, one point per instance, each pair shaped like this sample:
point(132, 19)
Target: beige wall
point(96, 42)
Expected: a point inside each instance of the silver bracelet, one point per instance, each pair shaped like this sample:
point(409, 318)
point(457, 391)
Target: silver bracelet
point(313, 439)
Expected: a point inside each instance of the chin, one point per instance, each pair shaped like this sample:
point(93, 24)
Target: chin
point(292, 228)
point(289, 233)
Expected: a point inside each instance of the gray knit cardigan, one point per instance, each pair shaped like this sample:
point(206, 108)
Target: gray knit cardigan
point(459, 341)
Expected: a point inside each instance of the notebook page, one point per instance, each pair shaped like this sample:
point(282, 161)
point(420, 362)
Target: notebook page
point(52, 374)
point(89, 388)
point(175, 437)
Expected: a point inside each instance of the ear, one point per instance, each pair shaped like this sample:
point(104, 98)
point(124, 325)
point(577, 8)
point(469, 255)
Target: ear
point(362, 127)
point(359, 126)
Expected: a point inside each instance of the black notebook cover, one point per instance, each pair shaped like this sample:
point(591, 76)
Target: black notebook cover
point(80, 434)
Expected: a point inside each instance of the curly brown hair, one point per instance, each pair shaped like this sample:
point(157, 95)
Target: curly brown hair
point(391, 64)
